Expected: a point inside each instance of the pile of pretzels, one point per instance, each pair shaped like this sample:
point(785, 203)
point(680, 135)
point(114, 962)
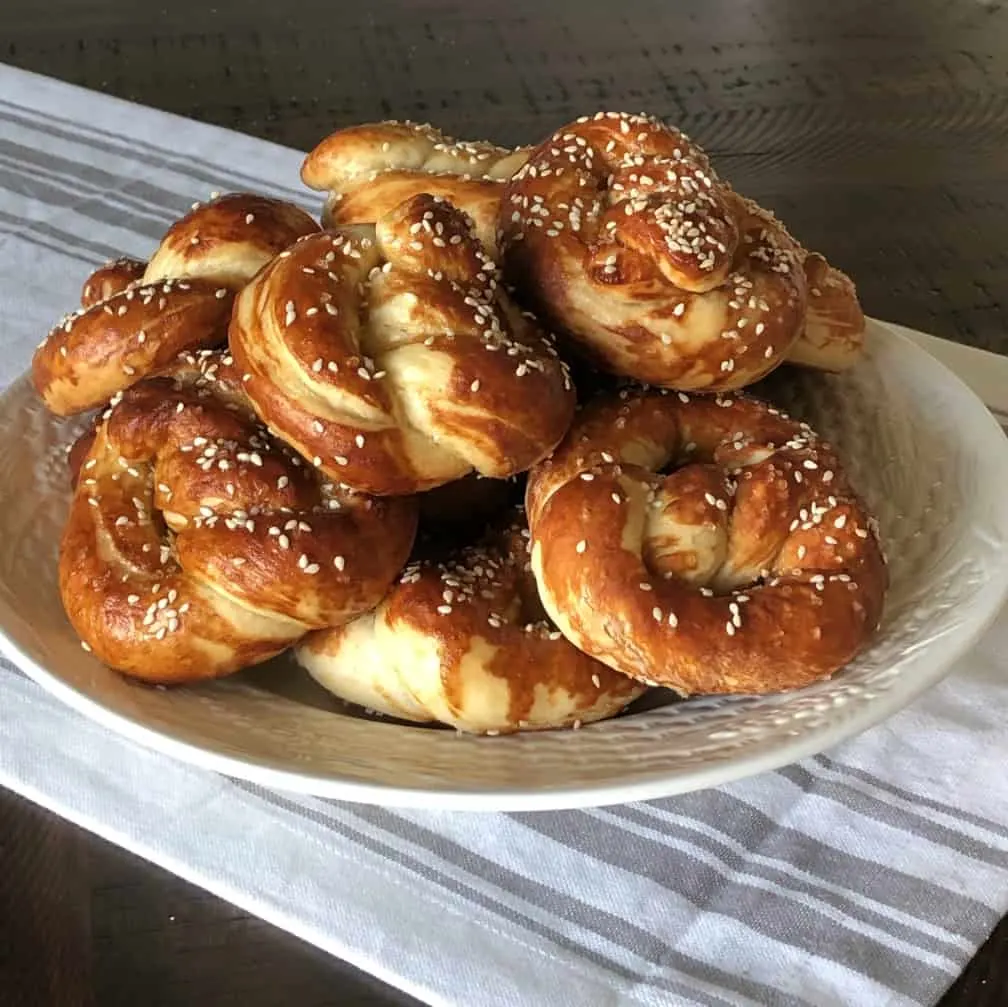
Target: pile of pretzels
point(472, 444)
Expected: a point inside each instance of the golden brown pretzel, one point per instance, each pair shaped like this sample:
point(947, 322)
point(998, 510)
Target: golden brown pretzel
point(370, 169)
point(197, 544)
point(618, 233)
point(833, 335)
point(465, 642)
point(751, 567)
point(130, 328)
point(391, 359)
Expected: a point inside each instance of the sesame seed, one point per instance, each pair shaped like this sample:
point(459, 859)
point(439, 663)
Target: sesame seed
point(730, 628)
point(475, 386)
point(581, 546)
point(444, 609)
point(339, 562)
point(657, 614)
point(85, 646)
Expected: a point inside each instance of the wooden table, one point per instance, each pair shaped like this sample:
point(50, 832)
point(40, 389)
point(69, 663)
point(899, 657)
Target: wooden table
point(878, 131)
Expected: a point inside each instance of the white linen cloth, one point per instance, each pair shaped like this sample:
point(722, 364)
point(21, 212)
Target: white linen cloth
point(868, 875)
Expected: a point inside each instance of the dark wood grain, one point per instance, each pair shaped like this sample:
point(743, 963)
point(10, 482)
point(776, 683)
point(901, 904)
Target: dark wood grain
point(878, 131)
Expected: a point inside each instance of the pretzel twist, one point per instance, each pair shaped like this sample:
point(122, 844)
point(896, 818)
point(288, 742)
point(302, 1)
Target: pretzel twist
point(751, 567)
point(620, 234)
point(197, 544)
point(370, 169)
point(137, 317)
point(465, 643)
point(390, 357)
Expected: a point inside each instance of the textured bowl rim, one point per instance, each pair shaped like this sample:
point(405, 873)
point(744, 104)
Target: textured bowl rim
point(987, 439)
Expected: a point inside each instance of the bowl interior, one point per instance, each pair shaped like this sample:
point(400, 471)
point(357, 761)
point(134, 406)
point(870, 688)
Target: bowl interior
point(918, 445)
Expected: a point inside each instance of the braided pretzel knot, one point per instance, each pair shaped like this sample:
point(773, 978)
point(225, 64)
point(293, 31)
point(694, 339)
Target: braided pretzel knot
point(370, 169)
point(197, 544)
point(751, 567)
point(619, 234)
point(137, 317)
point(393, 360)
point(466, 643)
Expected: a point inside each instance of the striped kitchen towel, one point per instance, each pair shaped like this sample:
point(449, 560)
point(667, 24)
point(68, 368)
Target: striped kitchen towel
point(866, 876)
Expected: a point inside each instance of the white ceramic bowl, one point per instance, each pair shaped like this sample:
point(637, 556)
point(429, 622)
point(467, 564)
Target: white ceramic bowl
point(922, 449)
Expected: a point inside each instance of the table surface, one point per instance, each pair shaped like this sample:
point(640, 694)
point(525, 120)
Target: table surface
point(877, 131)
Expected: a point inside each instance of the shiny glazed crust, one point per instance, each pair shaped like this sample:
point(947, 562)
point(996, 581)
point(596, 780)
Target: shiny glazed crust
point(370, 169)
point(619, 234)
point(389, 357)
point(197, 544)
point(134, 321)
point(465, 643)
point(751, 567)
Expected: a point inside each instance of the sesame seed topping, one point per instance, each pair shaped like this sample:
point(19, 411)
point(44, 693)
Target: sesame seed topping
point(581, 546)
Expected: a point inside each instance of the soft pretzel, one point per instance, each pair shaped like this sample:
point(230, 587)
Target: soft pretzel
point(389, 356)
point(197, 544)
point(370, 169)
point(833, 334)
point(619, 234)
point(465, 642)
point(137, 317)
point(751, 567)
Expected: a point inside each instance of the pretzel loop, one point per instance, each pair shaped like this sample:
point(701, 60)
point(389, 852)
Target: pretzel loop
point(750, 565)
